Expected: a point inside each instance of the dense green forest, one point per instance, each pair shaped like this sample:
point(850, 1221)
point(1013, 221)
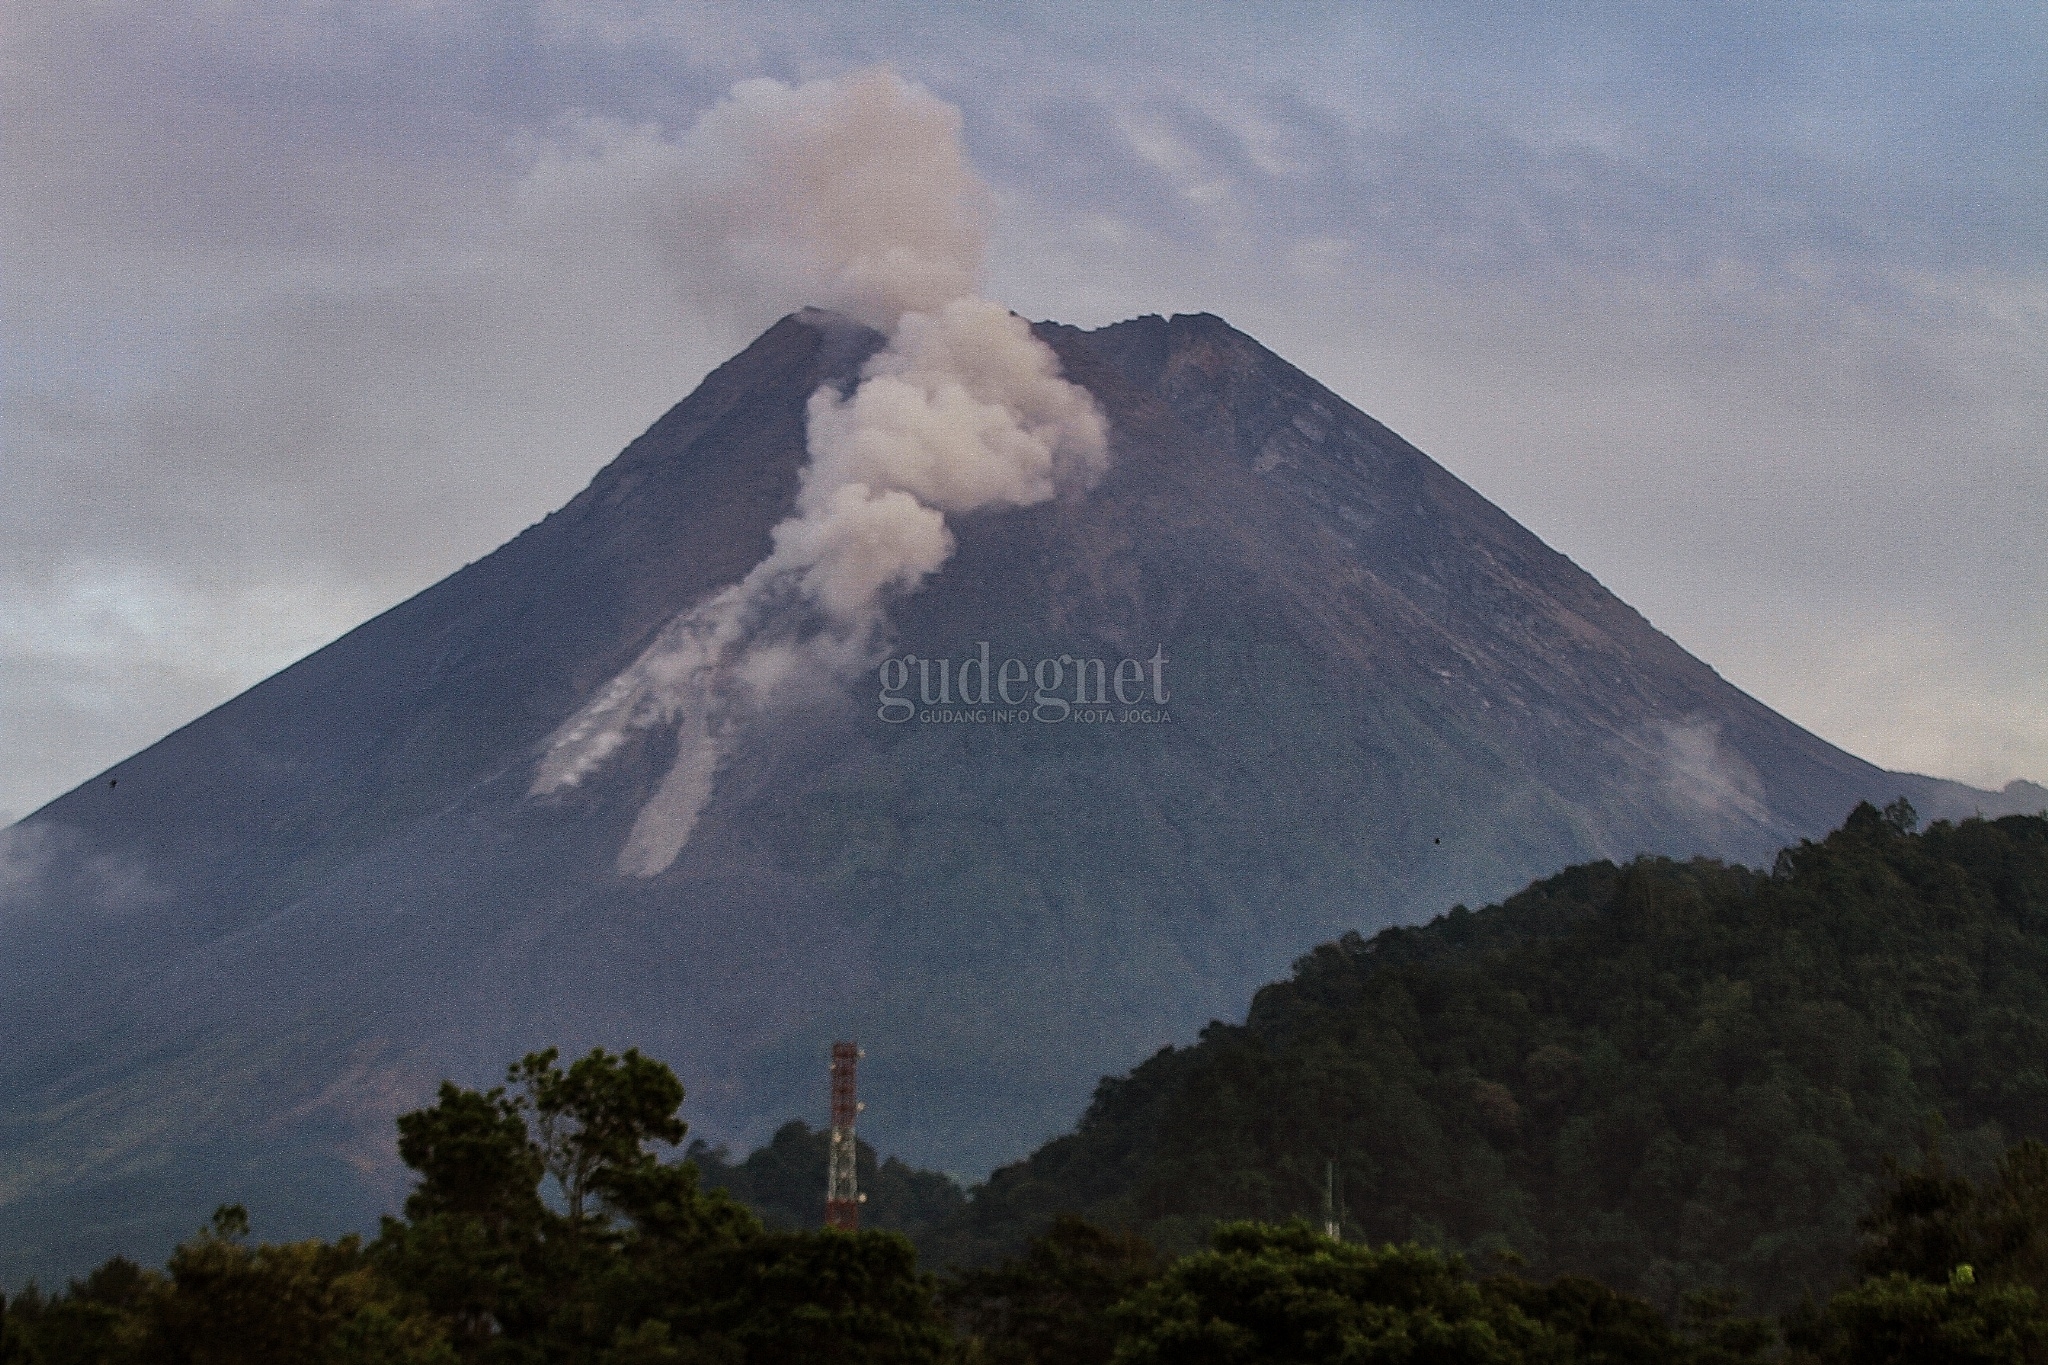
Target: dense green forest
point(545, 1227)
point(1606, 1121)
point(783, 1182)
point(1673, 1077)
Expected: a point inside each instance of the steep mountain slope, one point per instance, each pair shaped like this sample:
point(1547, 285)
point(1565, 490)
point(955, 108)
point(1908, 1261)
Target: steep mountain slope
point(229, 961)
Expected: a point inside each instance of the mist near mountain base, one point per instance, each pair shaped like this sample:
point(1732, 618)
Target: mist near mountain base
point(859, 190)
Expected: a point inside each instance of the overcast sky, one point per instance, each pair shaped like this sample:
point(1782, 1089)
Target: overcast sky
point(1744, 308)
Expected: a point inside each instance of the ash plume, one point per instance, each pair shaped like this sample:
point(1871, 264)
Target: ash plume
point(847, 188)
point(853, 194)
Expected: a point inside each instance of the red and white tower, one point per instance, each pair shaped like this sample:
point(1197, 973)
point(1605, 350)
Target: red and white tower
point(842, 1196)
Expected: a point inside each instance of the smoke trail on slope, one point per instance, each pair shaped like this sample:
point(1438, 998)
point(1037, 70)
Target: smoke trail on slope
point(963, 409)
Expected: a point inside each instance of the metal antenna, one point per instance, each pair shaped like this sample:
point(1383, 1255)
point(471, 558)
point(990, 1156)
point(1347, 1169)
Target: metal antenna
point(1333, 1204)
point(842, 1196)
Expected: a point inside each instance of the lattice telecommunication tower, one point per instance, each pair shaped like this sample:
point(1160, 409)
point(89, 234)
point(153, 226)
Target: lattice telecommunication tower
point(842, 1196)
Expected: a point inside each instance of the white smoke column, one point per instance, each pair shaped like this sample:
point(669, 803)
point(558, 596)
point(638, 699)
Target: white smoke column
point(852, 194)
point(963, 409)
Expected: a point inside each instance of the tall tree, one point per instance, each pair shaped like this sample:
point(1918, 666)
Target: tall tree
point(593, 1123)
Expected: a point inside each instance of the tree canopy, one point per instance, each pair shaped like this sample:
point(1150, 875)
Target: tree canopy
point(1671, 1076)
point(1647, 1100)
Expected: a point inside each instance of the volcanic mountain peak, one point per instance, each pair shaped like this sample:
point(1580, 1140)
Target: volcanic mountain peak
point(1275, 676)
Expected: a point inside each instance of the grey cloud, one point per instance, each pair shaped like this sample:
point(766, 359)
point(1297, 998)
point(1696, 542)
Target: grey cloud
point(39, 859)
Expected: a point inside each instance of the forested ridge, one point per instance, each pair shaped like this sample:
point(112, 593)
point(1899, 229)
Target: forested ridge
point(781, 1181)
point(1672, 1076)
point(1666, 1112)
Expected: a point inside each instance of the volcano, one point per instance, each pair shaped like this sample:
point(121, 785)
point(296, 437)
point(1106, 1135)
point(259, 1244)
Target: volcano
point(1302, 680)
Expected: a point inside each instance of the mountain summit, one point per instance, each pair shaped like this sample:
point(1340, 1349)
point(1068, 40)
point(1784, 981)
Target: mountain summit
point(1134, 747)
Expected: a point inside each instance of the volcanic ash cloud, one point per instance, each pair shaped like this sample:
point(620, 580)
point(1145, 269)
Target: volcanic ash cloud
point(852, 194)
point(963, 409)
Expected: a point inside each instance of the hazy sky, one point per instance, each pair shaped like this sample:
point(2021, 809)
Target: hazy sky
point(1744, 307)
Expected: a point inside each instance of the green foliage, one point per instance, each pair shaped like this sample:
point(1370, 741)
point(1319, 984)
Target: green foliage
point(592, 1123)
point(220, 1301)
point(1673, 1077)
point(1052, 1305)
point(1953, 1271)
point(473, 1159)
point(1290, 1294)
point(2010, 1220)
point(545, 1227)
point(636, 1262)
point(784, 1182)
point(1900, 1320)
point(829, 1295)
point(1928, 1223)
point(1660, 1088)
point(1261, 1293)
point(475, 1230)
point(1599, 1324)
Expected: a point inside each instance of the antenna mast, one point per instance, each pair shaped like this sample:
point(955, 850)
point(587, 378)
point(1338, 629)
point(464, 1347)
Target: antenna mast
point(842, 1198)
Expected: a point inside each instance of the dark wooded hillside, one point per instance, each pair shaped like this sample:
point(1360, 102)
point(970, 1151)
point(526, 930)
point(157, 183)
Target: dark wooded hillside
point(1672, 1076)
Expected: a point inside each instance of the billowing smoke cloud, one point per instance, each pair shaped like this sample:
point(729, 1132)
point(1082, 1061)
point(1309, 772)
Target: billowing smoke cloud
point(852, 194)
point(858, 190)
